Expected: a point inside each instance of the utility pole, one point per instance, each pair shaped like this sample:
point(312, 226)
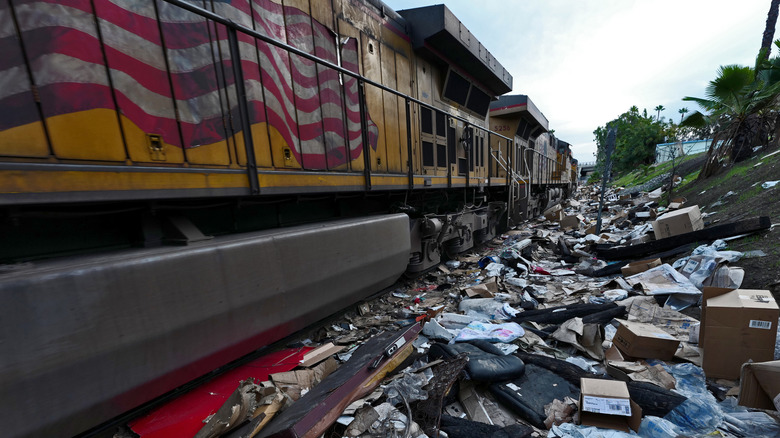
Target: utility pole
point(611, 136)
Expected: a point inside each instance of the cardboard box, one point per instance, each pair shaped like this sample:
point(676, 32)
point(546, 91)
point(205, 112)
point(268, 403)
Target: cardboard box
point(638, 339)
point(554, 213)
point(607, 404)
point(571, 221)
point(647, 215)
point(760, 385)
point(486, 290)
point(738, 326)
point(678, 222)
point(677, 203)
point(640, 266)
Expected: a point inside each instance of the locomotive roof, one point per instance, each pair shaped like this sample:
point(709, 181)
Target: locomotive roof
point(436, 30)
point(520, 106)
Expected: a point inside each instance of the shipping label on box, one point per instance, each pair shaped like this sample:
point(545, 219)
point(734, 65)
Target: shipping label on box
point(607, 404)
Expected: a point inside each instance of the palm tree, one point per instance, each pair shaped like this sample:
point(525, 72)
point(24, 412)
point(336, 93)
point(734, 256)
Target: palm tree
point(739, 106)
point(682, 112)
point(660, 108)
point(769, 30)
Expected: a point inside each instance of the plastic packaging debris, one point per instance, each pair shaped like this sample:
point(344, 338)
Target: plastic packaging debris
point(514, 281)
point(454, 321)
point(753, 254)
point(700, 413)
point(769, 184)
point(663, 280)
point(507, 332)
point(487, 307)
point(433, 330)
point(507, 349)
point(494, 269)
point(752, 424)
point(656, 427)
point(569, 430)
point(613, 295)
point(485, 261)
point(392, 422)
point(410, 386)
point(583, 363)
point(453, 264)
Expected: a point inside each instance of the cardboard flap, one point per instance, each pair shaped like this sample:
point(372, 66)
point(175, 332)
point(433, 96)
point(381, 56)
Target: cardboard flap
point(760, 385)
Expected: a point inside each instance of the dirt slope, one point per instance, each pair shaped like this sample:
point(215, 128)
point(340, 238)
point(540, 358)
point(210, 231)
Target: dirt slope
point(736, 193)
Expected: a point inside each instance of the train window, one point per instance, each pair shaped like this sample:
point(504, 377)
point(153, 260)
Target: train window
point(426, 120)
point(479, 102)
point(441, 123)
point(462, 166)
point(427, 153)
point(457, 88)
point(441, 155)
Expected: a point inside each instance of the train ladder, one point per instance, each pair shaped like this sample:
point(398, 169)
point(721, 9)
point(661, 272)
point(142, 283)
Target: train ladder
point(514, 182)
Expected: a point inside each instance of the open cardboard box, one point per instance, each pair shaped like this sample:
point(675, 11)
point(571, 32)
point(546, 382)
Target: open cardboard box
point(737, 326)
point(607, 404)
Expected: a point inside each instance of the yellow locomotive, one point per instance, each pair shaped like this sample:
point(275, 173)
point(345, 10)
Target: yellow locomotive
point(184, 182)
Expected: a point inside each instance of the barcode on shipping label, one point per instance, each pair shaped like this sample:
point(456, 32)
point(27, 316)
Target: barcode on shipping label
point(609, 406)
point(766, 325)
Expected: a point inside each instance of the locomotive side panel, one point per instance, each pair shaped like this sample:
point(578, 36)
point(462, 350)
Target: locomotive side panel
point(69, 71)
point(21, 129)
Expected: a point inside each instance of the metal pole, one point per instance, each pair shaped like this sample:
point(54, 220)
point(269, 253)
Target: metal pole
point(611, 136)
point(409, 143)
point(364, 133)
point(243, 111)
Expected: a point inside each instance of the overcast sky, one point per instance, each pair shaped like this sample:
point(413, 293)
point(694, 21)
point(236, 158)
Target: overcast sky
point(583, 63)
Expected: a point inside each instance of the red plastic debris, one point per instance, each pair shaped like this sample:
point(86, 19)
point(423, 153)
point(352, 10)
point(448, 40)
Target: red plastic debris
point(184, 415)
point(539, 270)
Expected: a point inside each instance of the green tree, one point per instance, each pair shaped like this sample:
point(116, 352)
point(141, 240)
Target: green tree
point(660, 108)
point(637, 136)
point(682, 112)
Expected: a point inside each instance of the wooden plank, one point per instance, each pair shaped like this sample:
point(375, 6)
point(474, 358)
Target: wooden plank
point(705, 235)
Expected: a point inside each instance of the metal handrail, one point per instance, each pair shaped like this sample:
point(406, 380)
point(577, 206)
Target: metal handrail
point(238, 27)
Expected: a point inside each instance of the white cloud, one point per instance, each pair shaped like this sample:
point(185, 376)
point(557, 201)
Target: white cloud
point(586, 62)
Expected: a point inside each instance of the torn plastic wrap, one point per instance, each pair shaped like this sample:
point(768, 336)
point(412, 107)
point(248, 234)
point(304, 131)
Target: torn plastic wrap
point(476, 330)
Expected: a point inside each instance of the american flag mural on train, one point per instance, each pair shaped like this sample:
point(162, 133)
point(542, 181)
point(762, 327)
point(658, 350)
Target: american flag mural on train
point(169, 73)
